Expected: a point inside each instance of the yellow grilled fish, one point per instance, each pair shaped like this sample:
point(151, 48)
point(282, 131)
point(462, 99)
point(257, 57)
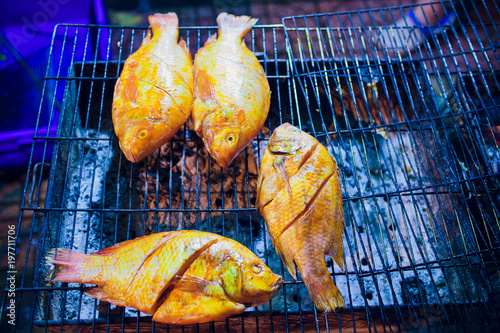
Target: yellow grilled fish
point(180, 277)
point(231, 93)
point(300, 199)
point(154, 95)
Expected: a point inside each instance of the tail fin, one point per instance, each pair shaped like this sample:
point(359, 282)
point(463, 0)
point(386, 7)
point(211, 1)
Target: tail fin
point(324, 293)
point(238, 25)
point(164, 22)
point(70, 264)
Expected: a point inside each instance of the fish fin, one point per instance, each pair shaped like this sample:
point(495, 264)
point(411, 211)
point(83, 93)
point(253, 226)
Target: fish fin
point(163, 21)
point(235, 24)
point(112, 249)
point(260, 180)
point(287, 260)
point(192, 283)
point(100, 294)
point(338, 256)
point(240, 116)
point(211, 39)
point(147, 39)
point(204, 88)
point(324, 293)
point(201, 309)
point(69, 263)
point(182, 44)
point(279, 165)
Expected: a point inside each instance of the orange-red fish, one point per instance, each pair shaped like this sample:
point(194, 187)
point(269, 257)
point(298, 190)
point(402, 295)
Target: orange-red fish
point(300, 198)
point(154, 95)
point(180, 277)
point(231, 93)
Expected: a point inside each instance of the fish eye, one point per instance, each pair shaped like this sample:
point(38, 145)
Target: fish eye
point(230, 138)
point(257, 269)
point(142, 134)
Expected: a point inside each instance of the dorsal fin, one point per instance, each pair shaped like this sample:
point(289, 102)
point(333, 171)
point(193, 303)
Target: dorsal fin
point(211, 39)
point(147, 39)
point(204, 89)
point(112, 249)
point(183, 45)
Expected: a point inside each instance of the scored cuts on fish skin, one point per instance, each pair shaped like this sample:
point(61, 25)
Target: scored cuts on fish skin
point(300, 199)
point(153, 96)
point(179, 277)
point(231, 92)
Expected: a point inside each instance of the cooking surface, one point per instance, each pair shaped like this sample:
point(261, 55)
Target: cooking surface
point(415, 135)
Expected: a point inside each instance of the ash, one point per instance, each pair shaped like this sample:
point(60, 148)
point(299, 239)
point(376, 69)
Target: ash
point(395, 232)
point(82, 229)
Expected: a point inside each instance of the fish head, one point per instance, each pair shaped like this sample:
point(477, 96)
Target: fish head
point(286, 139)
point(221, 135)
point(141, 137)
point(249, 281)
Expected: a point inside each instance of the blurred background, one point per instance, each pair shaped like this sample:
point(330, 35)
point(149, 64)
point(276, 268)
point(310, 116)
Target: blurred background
point(25, 39)
point(26, 35)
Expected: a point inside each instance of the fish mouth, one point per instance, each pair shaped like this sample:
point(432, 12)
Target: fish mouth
point(129, 155)
point(132, 157)
point(218, 158)
point(277, 286)
point(208, 141)
point(268, 294)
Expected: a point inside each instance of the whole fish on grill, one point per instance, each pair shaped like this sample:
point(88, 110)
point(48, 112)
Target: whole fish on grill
point(232, 94)
point(153, 96)
point(299, 197)
point(180, 277)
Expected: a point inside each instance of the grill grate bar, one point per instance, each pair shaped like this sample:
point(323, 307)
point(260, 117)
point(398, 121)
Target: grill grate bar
point(357, 184)
point(414, 130)
point(314, 72)
point(484, 184)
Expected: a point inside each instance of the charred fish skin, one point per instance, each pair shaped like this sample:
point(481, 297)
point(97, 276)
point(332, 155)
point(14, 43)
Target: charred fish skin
point(179, 277)
point(232, 94)
point(153, 96)
point(299, 196)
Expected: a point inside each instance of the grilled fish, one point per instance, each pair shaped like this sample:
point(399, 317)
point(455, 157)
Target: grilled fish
point(180, 277)
point(154, 95)
point(299, 197)
point(231, 91)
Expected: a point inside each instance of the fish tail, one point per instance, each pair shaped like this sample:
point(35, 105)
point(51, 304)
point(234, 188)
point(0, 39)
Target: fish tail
point(161, 23)
point(70, 264)
point(324, 293)
point(239, 25)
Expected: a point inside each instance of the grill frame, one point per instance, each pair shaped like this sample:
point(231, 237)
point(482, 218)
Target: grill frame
point(314, 56)
point(292, 91)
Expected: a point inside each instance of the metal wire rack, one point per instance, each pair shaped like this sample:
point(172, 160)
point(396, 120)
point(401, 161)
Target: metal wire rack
point(414, 128)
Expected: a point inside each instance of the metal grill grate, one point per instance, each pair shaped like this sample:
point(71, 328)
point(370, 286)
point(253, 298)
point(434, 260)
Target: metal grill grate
point(414, 130)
